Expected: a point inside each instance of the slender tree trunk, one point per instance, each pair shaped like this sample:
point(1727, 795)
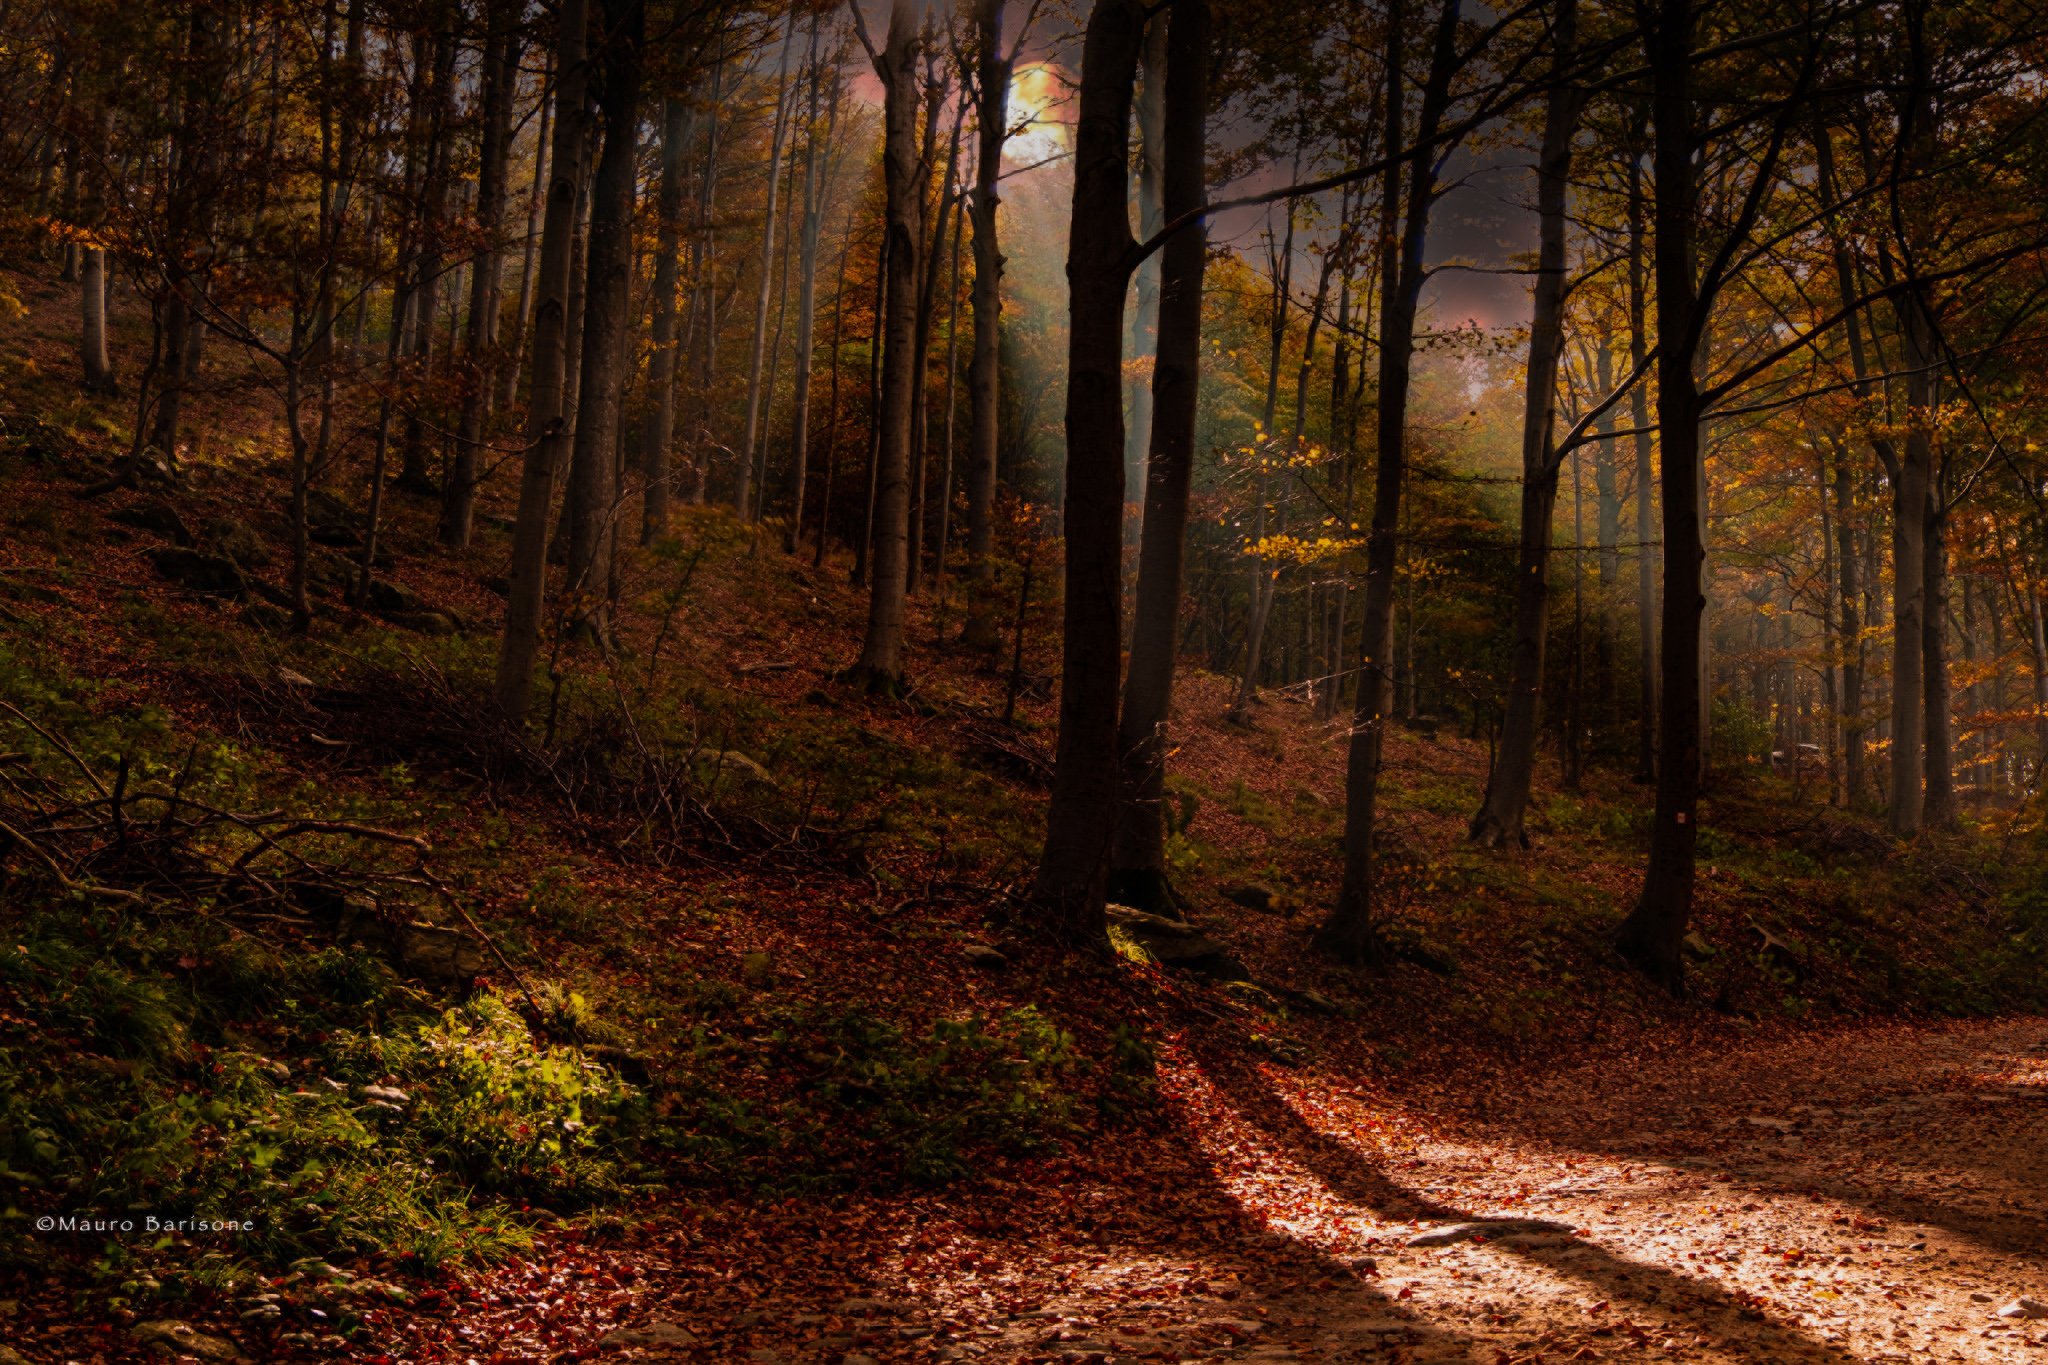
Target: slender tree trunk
point(516, 352)
point(1939, 810)
point(1499, 819)
point(1606, 490)
point(677, 131)
point(881, 655)
point(865, 549)
point(593, 492)
point(1081, 818)
point(742, 501)
point(1647, 652)
point(1852, 633)
point(832, 395)
point(921, 358)
point(1138, 853)
point(1351, 933)
point(92, 278)
point(433, 246)
point(1654, 931)
point(547, 440)
point(499, 77)
point(807, 303)
point(1265, 573)
point(1151, 113)
point(952, 412)
point(992, 86)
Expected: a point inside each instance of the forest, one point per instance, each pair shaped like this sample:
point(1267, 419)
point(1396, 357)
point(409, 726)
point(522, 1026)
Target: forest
point(1023, 680)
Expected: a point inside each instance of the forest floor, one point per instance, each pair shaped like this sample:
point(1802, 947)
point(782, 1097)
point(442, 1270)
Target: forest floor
point(1833, 1149)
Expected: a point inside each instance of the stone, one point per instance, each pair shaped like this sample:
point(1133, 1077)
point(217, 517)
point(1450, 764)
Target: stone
point(435, 623)
point(174, 1338)
point(1260, 897)
point(239, 542)
point(431, 951)
point(324, 509)
point(981, 955)
point(758, 970)
point(260, 615)
point(2024, 1310)
point(388, 596)
point(388, 1094)
point(1695, 945)
point(214, 575)
point(291, 678)
point(1489, 1228)
point(653, 1334)
point(10, 1356)
point(158, 518)
point(1176, 949)
point(1140, 922)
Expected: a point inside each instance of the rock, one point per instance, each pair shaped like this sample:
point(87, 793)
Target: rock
point(10, 1356)
point(325, 510)
point(2025, 1310)
point(266, 616)
point(653, 1334)
point(389, 596)
point(330, 574)
point(436, 623)
point(292, 679)
point(174, 1338)
point(733, 763)
point(1695, 945)
point(215, 575)
point(1980, 1298)
point(1260, 897)
point(387, 1094)
point(758, 970)
point(1488, 1228)
point(239, 542)
point(981, 955)
point(1178, 948)
point(158, 518)
point(430, 951)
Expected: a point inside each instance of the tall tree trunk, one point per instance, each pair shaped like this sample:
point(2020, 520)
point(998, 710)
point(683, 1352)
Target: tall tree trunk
point(499, 77)
point(1847, 559)
point(1350, 933)
point(1647, 652)
point(991, 114)
point(678, 127)
point(516, 351)
point(1605, 488)
point(1138, 852)
point(881, 655)
point(832, 393)
point(703, 329)
point(1939, 810)
point(1151, 114)
point(1081, 818)
point(593, 492)
point(742, 500)
point(1499, 819)
point(1265, 573)
point(547, 439)
point(864, 549)
point(921, 359)
point(1654, 931)
point(433, 247)
point(92, 302)
point(807, 302)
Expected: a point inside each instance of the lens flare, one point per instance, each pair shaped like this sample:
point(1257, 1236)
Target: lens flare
point(1037, 108)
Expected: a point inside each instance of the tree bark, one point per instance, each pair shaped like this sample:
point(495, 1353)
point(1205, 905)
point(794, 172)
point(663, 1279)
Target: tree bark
point(921, 357)
point(1081, 818)
point(1351, 932)
point(1939, 806)
point(678, 127)
point(547, 439)
point(593, 491)
point(499, 76)
point(1138, 874)
point(742, 501)
point(807, 303)
point(1151, 113)
point(1499, 819)
point(92, 302)
point(1647, 652)
point(992, 105)
point(515, 353)
point(881, 657)
point(1654, 932)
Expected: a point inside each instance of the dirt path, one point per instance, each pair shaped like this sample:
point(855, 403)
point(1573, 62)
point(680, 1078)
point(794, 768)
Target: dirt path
point(1876, 1196)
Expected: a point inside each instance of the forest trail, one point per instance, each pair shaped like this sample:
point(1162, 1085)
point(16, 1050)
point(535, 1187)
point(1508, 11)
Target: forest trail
point(1875, 1195)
